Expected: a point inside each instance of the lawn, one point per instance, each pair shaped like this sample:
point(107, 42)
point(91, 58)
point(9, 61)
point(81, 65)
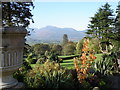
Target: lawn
point(69, 64)
point(66, 56)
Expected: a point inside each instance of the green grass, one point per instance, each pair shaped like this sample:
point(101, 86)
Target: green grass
point(65, 56)
point(69, 64)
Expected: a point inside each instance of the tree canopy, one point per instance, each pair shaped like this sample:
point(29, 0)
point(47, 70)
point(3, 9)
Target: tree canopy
point(17, 13)
point(102, 23)
point(117, 23)
point(105, 26)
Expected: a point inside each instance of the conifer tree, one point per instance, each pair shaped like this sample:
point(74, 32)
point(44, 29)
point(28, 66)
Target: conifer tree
point(65, 39)
point(117, 23)
point(102, 23)
point(116, 34)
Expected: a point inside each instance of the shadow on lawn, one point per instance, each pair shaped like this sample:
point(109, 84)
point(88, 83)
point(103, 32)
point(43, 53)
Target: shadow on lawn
point(68, 61)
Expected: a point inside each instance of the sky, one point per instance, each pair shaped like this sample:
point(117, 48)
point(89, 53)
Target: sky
point(66, 14)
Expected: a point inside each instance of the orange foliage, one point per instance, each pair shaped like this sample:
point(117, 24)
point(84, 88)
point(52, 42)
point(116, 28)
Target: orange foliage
point(85, 62)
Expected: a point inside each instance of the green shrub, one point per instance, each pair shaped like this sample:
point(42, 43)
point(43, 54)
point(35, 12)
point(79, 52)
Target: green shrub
point(31, 58)
point(93, 80)
point(41, 60)
point(96, 80)
point(22, 71)
point(48, 75)
point(53, 56)
point(69, 48)
point(108, 64)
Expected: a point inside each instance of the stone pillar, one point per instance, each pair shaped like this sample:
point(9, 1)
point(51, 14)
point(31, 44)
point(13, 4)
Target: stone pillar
point(11, 54)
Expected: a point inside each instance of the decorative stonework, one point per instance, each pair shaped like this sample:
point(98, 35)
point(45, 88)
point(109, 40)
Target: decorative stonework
point(11, 54)
point(11, 58)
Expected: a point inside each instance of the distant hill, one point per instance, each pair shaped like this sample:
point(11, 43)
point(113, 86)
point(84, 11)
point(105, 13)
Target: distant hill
point(54, 34)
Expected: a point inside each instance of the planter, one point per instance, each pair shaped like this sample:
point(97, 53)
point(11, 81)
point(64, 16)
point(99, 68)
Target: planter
point(11, 54)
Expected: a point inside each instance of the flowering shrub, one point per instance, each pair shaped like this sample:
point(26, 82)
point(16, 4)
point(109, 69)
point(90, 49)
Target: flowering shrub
point(87, 81)
point(85, 62)
point(48, 75)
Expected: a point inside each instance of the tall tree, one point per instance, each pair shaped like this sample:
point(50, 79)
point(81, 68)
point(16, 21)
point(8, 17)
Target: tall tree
point(117, 23)
point(65, 39)
point(116, 35)
point(102, 23)
point(16, 13)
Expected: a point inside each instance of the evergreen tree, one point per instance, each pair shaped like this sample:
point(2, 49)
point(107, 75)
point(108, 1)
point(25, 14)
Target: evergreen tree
point(116, 34)
point(65, 39)
point(16, 13)
point(102, 23)
point(117, 23)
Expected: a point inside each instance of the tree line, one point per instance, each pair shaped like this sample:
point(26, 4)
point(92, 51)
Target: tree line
point(105, 26)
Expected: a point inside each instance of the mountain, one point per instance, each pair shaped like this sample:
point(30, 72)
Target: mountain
point(54, 34)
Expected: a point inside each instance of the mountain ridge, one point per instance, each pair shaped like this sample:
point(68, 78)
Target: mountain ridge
point(53, 33)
